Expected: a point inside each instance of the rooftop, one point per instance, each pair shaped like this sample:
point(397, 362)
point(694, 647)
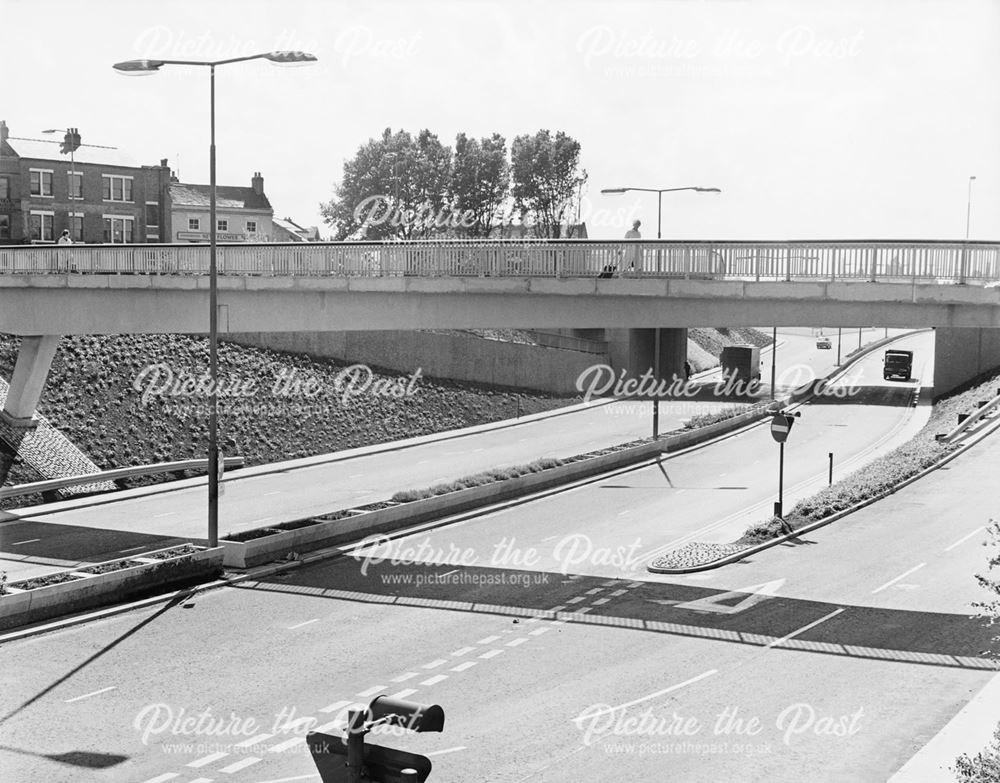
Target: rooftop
point(227, 197)
point(46, 149)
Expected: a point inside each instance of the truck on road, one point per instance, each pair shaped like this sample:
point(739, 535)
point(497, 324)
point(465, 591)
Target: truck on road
point(740, 363)
point(897, 364)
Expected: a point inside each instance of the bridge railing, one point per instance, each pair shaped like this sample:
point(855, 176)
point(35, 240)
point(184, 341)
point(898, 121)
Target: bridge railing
point(877, 260)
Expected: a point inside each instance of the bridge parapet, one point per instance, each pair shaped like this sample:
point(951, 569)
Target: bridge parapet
point(842, 260)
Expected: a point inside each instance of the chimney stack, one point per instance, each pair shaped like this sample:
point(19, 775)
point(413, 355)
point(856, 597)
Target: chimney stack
point(3, 131)
point(257, 182)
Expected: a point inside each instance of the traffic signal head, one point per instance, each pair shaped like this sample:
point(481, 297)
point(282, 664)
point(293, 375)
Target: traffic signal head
point(408, 714)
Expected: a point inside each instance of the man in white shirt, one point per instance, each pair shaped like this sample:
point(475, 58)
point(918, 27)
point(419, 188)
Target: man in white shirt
point(63, 255)
point(634, 252)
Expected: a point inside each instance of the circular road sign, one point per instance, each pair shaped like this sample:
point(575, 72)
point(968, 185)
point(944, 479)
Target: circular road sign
point(780, 426)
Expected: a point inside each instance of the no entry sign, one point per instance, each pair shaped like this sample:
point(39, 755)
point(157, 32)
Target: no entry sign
point(780, 426)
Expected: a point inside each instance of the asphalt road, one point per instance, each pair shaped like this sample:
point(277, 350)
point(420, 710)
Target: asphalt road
point(45, 539)
point(838, 656)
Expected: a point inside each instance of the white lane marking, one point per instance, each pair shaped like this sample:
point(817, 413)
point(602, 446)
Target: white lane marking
point(449, 573)
point(804, 628)
point(249, 761)
point(576, 600)
point(371, 691)
point(463, 666)
point(516, 642)
point(891, 582)
point(355, 475)
point(283, 746)
point(307, 622)
point(553, 609)
point(423, 462)
point(446, 750)
point(595, 591)
point(677, 687)
point(612, 583)
point(253, 741)
point(635, 584)
point(93, 693)
point(962, 540)
point(583, 610)
point(488, 640)
point(262, 519)
point(31, 541)
point(337, 706)
point(435, 663)
point(164, 514)
point(201, 780)
point(538, 631)
point(491, 653)
point(623, 513)
point(205, 760)
point(435, 679)
point(163, 778)
point(404, 677)
point(274, 492)
point(132, 548)
point(601, 601)
point(403, 693)
point(463, 651)
point(617, 593)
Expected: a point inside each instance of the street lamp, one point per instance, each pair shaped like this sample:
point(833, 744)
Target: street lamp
point(968, 210)
point(659, 220)
point(72, 142)
point(136, 67)
point(965, 248)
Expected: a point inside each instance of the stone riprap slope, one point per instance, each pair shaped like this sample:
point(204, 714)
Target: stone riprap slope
point(129, 400)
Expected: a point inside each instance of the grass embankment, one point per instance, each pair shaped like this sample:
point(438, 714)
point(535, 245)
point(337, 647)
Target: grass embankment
point(880, 476)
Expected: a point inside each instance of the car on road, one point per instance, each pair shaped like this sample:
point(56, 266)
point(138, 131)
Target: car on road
point(823, 342)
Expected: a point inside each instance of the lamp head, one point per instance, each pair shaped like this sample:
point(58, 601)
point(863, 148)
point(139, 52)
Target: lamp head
point(138, 67)
point(708, 190)
point(613, 191)
point(290, 58)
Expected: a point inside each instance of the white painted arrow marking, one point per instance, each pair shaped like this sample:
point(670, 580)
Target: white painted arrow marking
point(721, 603)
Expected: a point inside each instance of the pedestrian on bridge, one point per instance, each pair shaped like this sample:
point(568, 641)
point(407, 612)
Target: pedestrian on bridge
point(634, 252)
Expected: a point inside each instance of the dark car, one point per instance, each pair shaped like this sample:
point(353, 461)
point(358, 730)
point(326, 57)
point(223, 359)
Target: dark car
point(897, 364)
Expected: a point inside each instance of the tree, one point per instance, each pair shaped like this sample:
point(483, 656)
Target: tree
point(547, 179)
point(480, 183)
point(394, 187)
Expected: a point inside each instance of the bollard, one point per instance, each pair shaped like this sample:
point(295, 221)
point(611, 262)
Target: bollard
point(830, 479)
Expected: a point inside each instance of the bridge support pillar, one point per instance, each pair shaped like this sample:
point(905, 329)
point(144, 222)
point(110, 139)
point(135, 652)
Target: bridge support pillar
point(634, 350)
point(962, 353)
point(34, 358)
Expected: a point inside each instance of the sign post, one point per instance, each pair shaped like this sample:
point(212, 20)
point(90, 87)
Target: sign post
point(781, 425)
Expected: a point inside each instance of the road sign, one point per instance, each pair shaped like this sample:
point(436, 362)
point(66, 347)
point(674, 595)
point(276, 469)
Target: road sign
point(780, 427)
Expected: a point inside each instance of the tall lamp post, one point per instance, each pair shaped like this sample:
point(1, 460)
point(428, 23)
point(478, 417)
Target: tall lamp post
point(659, 235)
point(71, 143)
point(963, 269)
point(151, 66)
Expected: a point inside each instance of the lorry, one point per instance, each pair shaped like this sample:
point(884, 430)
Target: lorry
point(740, 363)
point(897, 364)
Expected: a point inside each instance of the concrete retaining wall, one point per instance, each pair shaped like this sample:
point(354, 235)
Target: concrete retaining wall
point(439, 356)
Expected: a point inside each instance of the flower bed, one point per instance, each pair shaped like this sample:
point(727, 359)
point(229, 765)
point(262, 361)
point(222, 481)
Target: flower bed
point(107, 568)
point(44, 581)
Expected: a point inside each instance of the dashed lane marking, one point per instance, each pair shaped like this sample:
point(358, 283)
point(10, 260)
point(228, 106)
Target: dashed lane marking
point(163, 778)
point(595, 591)
point(516, 642)
point(337, 706)
point(92, 693)
point(962, 540)
point(491, 653)
point(463, 666)
point(446, 750)
point(205, 760)
point(488, 639)
point(591, 715)
point(601, 601)
point(404, 677)
point(617, 593)
point(281, 747)
point(307, 622)
point(404, 693)
point(462, 651)
point(435, 679)
point(371, 691)
point(435, 663)
point(891, 582)
point(27, 541)
point(576, 600)
point(253, 741)
point(539, 631)
point(805, 628)
point(249, 761)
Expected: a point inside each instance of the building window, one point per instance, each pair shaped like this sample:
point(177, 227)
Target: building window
point(118, 230)
point(41, 183)
point(41, 226)
point(75, 184)
point(117, 188)
point(221, 224)
point(76, 226)
point(4, 226)
point(194, 224)
point(4, 187)
point(251, 226)
point(152, 214)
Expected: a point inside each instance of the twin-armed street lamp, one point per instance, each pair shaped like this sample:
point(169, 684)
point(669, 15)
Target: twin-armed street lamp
point(136, 67)
point(659, 223)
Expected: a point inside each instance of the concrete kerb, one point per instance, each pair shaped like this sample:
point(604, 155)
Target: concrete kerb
point(734, 558)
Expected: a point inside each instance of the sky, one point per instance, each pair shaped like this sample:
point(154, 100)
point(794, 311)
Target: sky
point(818, 119)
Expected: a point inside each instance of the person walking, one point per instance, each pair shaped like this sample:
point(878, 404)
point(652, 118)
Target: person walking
point(63, 255)
point(634, 252)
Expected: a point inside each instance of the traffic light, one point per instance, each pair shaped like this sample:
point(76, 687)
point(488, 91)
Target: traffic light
point(408, 714)
point(71, 141)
